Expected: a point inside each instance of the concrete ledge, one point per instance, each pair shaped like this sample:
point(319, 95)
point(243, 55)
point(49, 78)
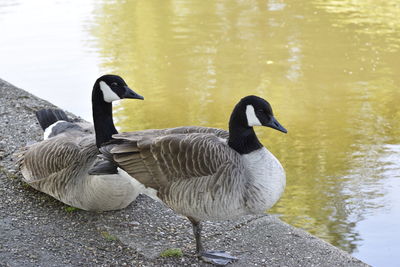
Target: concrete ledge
point(36, 230)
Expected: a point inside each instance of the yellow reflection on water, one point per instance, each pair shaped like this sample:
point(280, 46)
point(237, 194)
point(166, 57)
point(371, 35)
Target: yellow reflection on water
point(332, 83)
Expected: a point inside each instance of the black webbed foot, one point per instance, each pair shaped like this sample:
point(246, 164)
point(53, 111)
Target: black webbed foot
point(217, 257)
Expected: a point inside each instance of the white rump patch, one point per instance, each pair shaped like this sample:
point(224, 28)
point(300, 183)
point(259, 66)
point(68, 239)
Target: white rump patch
point(252, 119)
point(108, 93)
point(49, 129)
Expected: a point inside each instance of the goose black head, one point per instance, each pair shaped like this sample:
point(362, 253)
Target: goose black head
point(114, 88)
point(108, 88)
point(256, 111)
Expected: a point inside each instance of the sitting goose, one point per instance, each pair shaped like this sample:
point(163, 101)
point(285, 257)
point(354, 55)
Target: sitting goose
point(206, 173)
point(59, 164)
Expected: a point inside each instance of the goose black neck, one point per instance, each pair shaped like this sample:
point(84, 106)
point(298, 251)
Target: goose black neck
point(102, 117)
point(242, 138)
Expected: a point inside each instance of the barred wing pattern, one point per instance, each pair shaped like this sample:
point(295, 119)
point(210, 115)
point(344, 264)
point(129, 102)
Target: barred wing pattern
point(196, 174)
point(170, 131)
point(54, 155)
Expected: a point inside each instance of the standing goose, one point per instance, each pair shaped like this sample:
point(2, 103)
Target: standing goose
point(59, 164)
point(206, 173)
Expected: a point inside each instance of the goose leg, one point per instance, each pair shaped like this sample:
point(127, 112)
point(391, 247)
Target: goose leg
point(215, 257)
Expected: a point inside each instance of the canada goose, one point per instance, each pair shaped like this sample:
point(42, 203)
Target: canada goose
point(59, 164)
point(207, 173)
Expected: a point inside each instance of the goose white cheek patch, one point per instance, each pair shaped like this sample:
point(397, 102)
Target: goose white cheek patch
point(252, 119)
point(109, 95)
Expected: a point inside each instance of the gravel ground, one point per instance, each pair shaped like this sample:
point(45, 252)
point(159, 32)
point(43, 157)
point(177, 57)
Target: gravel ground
point(37, 230)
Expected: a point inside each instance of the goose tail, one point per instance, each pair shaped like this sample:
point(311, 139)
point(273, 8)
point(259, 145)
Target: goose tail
point(47, 117)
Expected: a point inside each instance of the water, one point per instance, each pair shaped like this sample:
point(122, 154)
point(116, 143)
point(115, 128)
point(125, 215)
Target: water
point(329, 69)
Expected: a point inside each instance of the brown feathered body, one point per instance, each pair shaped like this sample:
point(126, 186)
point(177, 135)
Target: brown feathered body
point(197, 174)
point(59, 166)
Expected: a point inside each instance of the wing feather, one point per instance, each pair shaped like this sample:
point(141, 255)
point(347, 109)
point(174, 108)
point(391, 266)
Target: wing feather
point(53, 155)
point(157, 160)
point(135, 136)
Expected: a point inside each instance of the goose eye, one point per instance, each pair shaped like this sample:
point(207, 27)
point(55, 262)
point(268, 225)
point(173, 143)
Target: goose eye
point(114, 84)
